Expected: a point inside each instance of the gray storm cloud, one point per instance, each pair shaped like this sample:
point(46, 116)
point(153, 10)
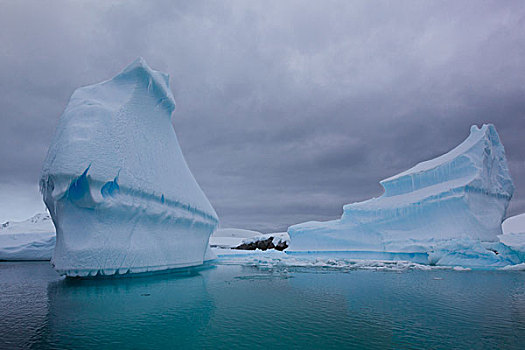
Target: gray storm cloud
point(285, 110)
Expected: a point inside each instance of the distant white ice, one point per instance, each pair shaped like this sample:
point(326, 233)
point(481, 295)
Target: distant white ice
point(227, 238)
point(31, 239)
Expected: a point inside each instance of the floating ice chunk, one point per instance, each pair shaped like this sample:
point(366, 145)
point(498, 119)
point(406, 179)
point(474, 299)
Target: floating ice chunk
point(32, 239)
point(517, 267)
point(116, 183)
point(272, 259)
point(461, 194)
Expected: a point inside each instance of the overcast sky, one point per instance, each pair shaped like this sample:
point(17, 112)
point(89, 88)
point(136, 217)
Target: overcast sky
point(286, 110)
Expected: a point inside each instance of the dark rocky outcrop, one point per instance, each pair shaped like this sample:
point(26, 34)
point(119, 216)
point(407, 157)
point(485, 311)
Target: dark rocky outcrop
point(263, 244)
point(282, 245)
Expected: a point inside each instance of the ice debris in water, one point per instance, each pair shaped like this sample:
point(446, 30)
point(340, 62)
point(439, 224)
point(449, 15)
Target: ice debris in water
point(446, 206)
point(118, 188)
point(282, 261)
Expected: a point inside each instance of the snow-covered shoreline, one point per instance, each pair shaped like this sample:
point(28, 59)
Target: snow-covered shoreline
point(31, 239)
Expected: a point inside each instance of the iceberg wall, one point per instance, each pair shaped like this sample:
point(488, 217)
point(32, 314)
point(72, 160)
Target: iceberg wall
point(462, 194)
point(118, 188)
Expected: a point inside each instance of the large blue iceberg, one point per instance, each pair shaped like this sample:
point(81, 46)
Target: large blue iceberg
point(120, 193)
point(450, 208)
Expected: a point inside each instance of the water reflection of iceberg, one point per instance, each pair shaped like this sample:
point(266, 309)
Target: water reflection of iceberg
point(149, 312)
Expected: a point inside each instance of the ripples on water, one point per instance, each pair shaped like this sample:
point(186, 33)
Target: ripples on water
point(233, 306)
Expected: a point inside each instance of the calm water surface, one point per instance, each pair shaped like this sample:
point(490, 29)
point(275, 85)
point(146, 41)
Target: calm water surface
point(234, 307)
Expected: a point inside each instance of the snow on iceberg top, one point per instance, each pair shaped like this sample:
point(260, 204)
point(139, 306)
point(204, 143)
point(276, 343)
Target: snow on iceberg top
point(119, 132)
point(158, 82)
point(479, 161)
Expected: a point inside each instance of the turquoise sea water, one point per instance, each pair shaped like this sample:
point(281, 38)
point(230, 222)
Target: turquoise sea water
point(239, 307)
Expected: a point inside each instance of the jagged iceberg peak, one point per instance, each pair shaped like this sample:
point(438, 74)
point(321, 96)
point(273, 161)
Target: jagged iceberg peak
point(156, 83)
point(115, 163)
point(479, 161)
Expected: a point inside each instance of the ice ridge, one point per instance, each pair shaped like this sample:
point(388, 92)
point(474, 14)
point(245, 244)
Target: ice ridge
point(462, 194)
